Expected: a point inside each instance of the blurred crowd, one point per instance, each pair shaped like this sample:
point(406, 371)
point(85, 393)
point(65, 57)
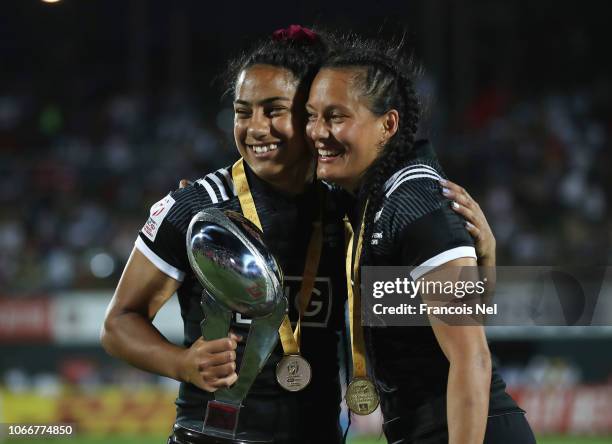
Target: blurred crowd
point(540, 168)
point(75, 187)
point(76, 184)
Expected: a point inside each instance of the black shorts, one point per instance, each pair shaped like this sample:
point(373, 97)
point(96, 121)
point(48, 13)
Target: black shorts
point(509, 428)
point(287, 419)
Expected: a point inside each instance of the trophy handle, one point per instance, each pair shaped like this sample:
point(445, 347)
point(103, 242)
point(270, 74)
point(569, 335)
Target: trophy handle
point(263, 337)
point(216, 322)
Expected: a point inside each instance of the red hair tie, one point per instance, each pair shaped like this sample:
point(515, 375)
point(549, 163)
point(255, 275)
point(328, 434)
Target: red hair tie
point(294, 32)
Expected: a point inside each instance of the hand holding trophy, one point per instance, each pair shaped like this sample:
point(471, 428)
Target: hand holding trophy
point(238, 273)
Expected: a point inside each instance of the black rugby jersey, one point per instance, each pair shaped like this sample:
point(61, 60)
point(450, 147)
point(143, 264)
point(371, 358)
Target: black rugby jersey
point(417, 227)
point(287, 225)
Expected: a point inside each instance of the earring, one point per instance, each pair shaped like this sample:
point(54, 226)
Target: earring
point(383, 139)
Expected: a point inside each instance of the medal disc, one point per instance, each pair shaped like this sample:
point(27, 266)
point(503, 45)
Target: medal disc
point(293, 373)
point(361, 396)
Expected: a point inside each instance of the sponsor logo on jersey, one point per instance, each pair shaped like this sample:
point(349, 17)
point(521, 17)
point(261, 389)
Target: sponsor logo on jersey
point(156, 216)
point(376, 238)
point(317, 312)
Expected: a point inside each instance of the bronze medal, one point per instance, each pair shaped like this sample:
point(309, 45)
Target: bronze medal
point(361, 396)
point(293, 373)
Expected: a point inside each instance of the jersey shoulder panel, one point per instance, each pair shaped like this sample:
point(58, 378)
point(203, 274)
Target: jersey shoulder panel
point(219, 185)
point(414, 190)
point(409, 194)
point(162, 238)
point(416, 224)
point(212, 190)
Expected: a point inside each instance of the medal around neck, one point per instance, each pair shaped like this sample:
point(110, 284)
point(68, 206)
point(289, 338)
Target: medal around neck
point(293, 373)
point(361, 396)
point(238, 273)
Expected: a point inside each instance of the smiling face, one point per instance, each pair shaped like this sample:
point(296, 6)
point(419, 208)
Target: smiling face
point(269, 126)
point(346, 135)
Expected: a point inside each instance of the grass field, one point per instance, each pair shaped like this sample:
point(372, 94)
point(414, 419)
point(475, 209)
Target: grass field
point(162, 440)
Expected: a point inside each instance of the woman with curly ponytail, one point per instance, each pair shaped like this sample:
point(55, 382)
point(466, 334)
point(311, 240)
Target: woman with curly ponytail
point(436, 383)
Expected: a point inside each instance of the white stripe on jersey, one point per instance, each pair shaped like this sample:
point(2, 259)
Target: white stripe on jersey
point(228, 179)
point(162, 265)
point(412, 177)
point(417, 169)
point(421, 168)
point(441, 259)
point(211, 192)
point(216, 180)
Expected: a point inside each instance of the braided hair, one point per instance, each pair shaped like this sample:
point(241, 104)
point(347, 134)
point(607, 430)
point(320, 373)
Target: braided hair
point(385, 77)
point(295, 48)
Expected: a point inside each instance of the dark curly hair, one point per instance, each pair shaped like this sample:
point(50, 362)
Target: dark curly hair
point(299, 50)
point(385, 75)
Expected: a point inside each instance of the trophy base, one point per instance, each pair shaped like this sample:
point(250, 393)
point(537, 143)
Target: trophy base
point(221, 419)
point(182, 435)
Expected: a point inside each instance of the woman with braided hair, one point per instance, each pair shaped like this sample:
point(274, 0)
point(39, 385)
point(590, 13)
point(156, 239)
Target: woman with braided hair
point(436, 382)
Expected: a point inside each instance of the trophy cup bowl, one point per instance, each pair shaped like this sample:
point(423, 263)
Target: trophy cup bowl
point(233, 264)
point(238, 274)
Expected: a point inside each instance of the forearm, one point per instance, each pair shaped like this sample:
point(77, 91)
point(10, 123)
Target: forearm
point(131, 337)
point(468, 399)
point(487, 261)
point(488, 274)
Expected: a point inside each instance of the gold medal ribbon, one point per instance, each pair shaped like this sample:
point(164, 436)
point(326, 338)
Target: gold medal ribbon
point(354, 298)
point(361, 395)
point(290, 340)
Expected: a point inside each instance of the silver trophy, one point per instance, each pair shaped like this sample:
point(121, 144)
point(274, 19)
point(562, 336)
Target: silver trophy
point(239, 274)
